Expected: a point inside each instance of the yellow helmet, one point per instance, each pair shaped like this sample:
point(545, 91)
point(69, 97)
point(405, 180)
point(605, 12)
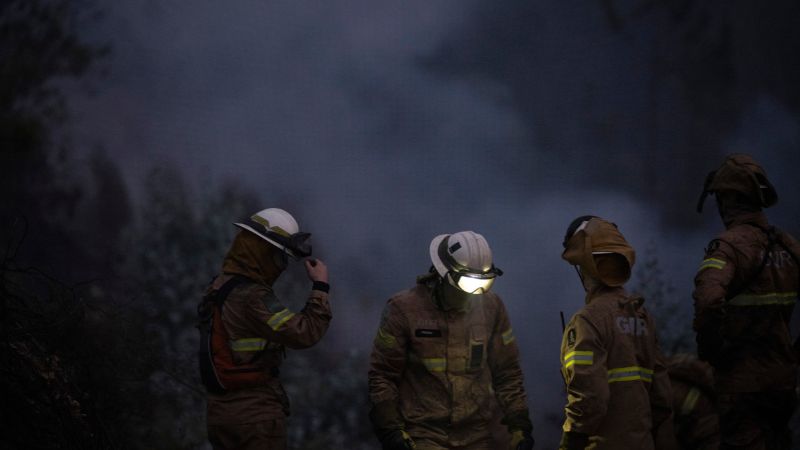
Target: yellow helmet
point(599, 249)
point(740, 173)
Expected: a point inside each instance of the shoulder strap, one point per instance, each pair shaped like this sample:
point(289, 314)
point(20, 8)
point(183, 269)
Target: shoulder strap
point(224, 291)
point(795, 257)
point(773, 237)
point(771, 240)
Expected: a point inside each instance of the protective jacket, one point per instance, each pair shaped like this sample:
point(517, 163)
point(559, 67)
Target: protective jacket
point(695, 417)
point(745, 292)
point(441, 370)
point(618, 390)
point(259, 328)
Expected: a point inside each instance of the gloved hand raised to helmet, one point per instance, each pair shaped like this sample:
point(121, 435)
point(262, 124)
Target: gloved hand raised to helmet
point(316, 270)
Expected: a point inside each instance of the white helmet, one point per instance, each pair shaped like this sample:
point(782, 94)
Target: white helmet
point(280, 230)
point(465, 260)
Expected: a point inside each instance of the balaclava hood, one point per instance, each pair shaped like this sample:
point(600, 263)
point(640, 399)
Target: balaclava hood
point(252, 257)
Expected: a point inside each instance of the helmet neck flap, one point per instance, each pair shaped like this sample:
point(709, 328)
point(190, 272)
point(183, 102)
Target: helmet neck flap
point(599, 250)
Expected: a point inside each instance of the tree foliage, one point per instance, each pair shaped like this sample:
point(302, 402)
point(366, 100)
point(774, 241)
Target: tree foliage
point(39, 47)
point(172, 253)
point(177, 247)
point(66, 338)
point(671, 312)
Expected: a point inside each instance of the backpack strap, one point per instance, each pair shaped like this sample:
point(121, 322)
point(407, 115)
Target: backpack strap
point(218, 297)
point(796, 258)
point(205, 313)
point(205, 309)
point(773, 238)
point(771, 241)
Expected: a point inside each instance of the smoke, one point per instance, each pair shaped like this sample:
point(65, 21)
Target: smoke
point(383, 124)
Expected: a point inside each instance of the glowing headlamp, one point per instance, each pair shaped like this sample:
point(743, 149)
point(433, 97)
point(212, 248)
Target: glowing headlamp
point(472, 283)
point(465, 278)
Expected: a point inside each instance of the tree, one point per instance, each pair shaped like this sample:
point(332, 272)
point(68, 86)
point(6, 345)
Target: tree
point(673, 319)
point(69, 373)
point(38, 48)
point(174, 250)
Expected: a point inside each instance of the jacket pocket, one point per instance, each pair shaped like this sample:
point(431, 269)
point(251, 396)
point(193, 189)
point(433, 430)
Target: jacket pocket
point(476, 353)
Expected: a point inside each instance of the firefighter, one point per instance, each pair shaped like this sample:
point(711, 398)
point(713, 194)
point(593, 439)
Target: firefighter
point(248, 408)
point(443, 355)
point(693, 402)
point(744, 296)
point(618, 392)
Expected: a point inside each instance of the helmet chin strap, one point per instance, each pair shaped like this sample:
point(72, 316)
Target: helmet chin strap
point(580, 275)
point(588, 283)
point(706, 185)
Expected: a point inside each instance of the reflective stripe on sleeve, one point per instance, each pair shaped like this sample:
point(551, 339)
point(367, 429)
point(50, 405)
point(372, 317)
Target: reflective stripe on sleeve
point(632, 373)
point(690, 401)
point(581, 358)
point(508, 337)
point(248, 345)
point(280, 318)
point(384, 340)
point(771, 298)
point(712, 263)
point(258, 219)
point(435, 364)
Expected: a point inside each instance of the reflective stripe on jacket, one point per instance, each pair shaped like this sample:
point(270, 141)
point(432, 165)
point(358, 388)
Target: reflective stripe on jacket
point(696, 421)
point(617, 384)
point(444, 369)
point(259, 327)
point(758, 297)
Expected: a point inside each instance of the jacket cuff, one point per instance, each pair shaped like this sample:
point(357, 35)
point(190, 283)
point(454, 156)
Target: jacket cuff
point(518, 421)
point(385, 418)
point(321, 286)
point(573, 440)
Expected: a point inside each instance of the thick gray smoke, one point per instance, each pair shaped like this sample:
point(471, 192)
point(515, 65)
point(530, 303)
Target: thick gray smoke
point(382, 124)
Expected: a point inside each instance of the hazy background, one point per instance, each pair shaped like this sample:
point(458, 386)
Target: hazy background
point(381, 124)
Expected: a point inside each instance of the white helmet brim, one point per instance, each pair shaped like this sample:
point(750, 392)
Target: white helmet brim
point(271, 241)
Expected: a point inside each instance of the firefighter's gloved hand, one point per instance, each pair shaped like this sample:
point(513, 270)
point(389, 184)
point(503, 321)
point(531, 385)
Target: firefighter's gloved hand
point(520, 426)
point(398, 440)
point(317, 270)
point(521, 440)
point(389, 427)
point(572, 440)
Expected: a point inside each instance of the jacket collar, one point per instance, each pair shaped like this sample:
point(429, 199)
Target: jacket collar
point(757, 218)
point(602, 291)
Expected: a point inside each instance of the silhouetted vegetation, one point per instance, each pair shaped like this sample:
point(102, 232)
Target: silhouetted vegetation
point(98, 291)
point(672, 312)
